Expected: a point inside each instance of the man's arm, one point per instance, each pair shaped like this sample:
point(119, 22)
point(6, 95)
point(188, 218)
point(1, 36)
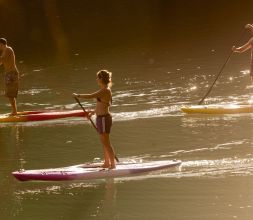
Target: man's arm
point(1, 60)
point(4, 56)
point(243, 48)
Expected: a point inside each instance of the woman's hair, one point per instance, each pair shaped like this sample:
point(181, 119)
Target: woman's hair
point(105, 76)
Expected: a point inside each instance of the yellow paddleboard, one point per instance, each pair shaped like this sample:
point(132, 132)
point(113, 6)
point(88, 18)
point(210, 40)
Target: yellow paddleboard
point(217, 109)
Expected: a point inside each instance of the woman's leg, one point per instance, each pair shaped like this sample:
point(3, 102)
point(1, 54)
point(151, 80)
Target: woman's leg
point(106, 156)
point(108, 150)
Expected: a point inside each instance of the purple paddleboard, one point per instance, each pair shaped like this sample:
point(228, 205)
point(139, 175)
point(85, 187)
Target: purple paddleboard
point(93, 171)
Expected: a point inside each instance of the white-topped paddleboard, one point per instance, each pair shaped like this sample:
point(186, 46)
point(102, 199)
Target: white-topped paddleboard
point(94, 171)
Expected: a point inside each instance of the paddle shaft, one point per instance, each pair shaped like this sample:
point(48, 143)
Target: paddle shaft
point(218, 75)
point(77, 100)
point(93, 124)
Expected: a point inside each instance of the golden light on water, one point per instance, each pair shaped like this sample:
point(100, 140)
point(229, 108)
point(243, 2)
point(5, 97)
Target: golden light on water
point(193, 88)
point(250, 100)
point(245, 72)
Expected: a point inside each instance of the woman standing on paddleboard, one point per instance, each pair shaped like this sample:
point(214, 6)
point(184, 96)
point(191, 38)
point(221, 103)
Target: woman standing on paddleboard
point(104, 118)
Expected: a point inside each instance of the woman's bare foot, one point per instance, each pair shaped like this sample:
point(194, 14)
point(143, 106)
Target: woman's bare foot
point(112, 167)
point(105, 165)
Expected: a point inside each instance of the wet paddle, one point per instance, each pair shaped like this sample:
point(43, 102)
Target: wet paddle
point(93, 124)
point(218, 75)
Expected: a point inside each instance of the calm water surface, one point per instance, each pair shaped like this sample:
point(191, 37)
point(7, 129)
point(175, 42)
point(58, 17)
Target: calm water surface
point(214, 181)
point(150, 85)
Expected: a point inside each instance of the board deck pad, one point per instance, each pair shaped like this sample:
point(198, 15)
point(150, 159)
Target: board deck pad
point(218, 109)
point(93, 171)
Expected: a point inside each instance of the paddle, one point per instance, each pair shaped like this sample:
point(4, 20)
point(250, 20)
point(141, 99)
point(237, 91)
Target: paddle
point(77, 100)
point(93, 124)
point(218, 75)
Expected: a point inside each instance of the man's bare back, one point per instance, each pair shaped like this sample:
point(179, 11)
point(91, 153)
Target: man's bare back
point(8, 59)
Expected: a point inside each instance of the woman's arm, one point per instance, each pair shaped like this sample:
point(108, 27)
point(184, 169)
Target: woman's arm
point(88, 96)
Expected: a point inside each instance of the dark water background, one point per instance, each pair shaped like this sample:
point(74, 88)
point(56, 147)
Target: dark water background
point(163, 54)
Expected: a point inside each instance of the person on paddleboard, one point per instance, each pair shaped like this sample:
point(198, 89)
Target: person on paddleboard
point(104, 119)
point(11, 75)
point(245, 47)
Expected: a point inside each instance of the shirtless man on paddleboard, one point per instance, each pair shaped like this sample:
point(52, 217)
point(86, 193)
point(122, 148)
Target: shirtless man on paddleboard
point(245, 47)
point(11, 75)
